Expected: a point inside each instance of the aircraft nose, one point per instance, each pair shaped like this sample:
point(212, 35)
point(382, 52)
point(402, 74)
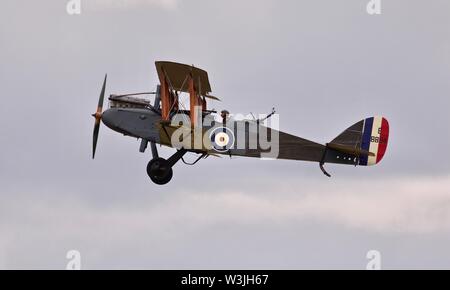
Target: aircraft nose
point(108, 118)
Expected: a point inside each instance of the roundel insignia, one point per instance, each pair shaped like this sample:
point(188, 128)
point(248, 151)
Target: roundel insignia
point(222, 139)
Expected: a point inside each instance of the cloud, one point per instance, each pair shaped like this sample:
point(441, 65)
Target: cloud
point(53, 199)
point(383, 206)
point(386, 206)
point(46, 221)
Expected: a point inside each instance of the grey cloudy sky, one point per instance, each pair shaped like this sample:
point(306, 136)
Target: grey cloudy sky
point(324, 65)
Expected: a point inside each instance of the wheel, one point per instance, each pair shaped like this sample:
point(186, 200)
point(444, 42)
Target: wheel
point(159, 171)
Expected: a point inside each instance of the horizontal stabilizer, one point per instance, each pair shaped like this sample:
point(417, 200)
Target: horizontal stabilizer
point(350, 150)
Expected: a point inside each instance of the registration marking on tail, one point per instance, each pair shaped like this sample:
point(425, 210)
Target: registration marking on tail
point(374, 140)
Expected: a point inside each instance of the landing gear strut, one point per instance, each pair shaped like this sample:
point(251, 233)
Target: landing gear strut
point(159, 169)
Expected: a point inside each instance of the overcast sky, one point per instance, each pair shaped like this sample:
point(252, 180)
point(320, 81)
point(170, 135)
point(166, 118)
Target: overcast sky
point(323, 64)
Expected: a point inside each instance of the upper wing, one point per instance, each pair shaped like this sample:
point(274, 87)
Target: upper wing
point(177, 76)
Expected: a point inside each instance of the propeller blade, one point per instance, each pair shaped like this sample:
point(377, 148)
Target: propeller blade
point(102, 95)
point(98, 117)
point(95, 138)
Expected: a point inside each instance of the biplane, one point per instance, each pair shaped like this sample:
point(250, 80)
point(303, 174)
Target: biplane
point(168, 121)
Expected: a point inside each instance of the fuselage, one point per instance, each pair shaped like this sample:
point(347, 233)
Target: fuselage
point(249, 138)
point(134, 122)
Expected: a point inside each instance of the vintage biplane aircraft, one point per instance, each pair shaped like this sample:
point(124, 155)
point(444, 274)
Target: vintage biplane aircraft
point(363, 144)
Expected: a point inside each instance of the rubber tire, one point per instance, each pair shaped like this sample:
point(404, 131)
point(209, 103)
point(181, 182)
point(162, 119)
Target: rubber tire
point(159, 171)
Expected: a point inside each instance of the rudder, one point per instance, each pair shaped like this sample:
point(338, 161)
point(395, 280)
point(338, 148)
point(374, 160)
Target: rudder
point(364, 143)
point(375, 138)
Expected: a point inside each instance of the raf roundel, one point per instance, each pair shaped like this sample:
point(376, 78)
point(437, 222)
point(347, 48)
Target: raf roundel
point(222, 139)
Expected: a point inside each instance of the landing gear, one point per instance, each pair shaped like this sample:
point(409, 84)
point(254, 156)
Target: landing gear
point(159, 171)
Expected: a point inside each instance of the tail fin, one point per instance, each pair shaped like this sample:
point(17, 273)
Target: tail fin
point(364, 143)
